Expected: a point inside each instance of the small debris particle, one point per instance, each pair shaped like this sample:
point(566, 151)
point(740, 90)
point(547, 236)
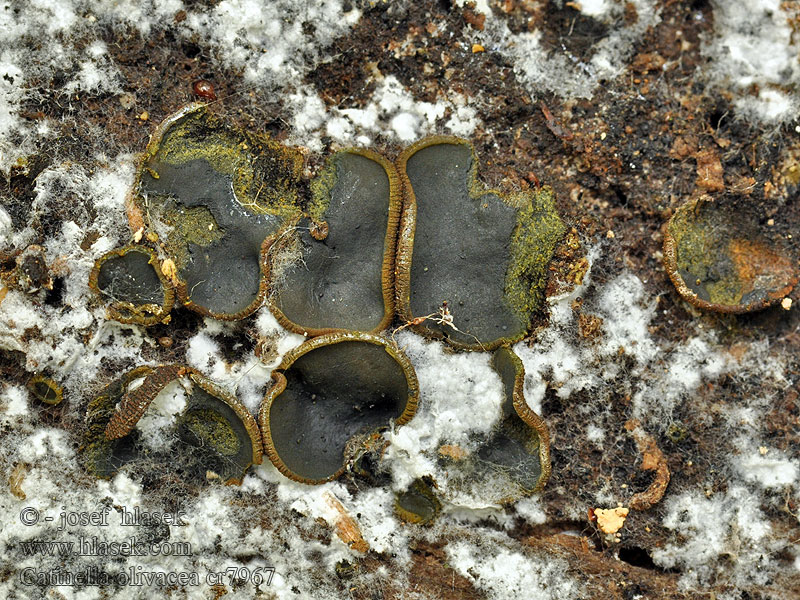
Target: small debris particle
point(553, 125)
point(610, 234)
point(477, 48)
point(319, 231)
point(127, 101)
point(346, 527)
point(170, 270)
point(135, 216)
point(152, 236)
point(611, 520)
point(475, 19)
point(648, 61)
point(709, 171)
point(453, 451)
point(144, 116)
point(652, 460)
point(771, 222)
point(204, 89)
point(631, 14)
point(683, 147)
point(590, 326)
point(762, 450)
point(786, 303)
point(137, 237)
point(16, 479)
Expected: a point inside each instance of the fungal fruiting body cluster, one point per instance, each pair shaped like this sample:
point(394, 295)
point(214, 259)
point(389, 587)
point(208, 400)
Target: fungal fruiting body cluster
point(213, 427)
point(220, 225)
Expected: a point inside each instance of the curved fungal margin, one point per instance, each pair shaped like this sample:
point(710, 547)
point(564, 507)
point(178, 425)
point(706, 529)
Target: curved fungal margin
point(344, 279)
point(219, 198)
point(132, 280)
point(329, 397)
point(480, 258)
point(418, 504)
point(522, 435)
point(513, 461)
point(104, 457)
point(721, 260)
point(215, 431)
point(45, 390)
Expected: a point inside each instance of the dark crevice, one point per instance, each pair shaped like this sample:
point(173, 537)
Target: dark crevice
point(552, 404)
point(715, 118)
point(566, 526)
point(621, 196)
point(55, 296)
point(637, 557)
point(190, 50)
point(233, 347)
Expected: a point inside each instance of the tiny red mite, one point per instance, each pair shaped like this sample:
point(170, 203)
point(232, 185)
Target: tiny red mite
point(204, 89)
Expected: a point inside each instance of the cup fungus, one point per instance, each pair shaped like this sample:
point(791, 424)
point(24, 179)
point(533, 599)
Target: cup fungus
point(220, 197)
point(329, 397)
point(514, 460)
point(418, 504)
point(225, 206)
point(720, 259)
point(45, 390)
point(480, 258)
point(132, 280)
point(345, 279)
point(214, 432)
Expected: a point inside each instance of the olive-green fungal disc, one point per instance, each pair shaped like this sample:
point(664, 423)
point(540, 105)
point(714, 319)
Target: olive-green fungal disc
point(215, 433)
point(223, 195)
point(330, 394)
point(131, 280)
point(45, 390)
point(219, 431)
point(483, 253)
point(344, 281)
point(721, 259)
point(418, 504)
point(514, 459)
